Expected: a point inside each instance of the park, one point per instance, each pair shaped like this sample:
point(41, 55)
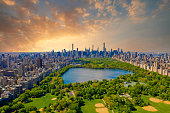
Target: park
point(146, 91)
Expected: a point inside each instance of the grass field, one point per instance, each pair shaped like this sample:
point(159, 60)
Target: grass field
point(89, 106)
point(161, 107)
point(42, 101)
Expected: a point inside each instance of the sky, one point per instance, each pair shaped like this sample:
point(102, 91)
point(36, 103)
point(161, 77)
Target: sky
point(44, 25)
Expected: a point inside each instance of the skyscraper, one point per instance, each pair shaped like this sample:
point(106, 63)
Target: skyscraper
point(98, 49)
point(39, 62)
point(72, 47)
point(121, 50)
point(104, 49)
point(21, 70)
point(8, 61)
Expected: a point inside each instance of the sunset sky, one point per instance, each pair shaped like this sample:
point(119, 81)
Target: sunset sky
point(43, 25)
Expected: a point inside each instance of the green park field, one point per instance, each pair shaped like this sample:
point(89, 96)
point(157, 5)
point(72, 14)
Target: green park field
point(41, 102)
point(89, 106)
point(161, 107)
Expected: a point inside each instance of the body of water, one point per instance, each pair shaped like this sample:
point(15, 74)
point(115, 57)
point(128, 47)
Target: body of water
point(83, 74)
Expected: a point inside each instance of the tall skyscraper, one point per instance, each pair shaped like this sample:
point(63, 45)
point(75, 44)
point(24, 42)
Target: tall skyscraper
point(92, 47)
point(136, 54)
point(8, 61)
point(104, 49)
point(21, 70)
point(39, 63)
point(72, 47)
point(98, 49)
point(121, 50)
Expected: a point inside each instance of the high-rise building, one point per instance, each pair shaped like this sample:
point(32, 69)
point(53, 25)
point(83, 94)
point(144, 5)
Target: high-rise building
point(72, 47)
point(98, 49)
point(136, 54)
point(0, 90)
point(39, 62)
point(104, 48)
point(156, 64)
point(165, 55)
point(121, 50)
point(9, 61)
point(21, 70)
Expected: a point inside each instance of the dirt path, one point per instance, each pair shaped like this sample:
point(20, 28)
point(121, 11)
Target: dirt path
point(149, 108)
point(166, 102)
point(100, 105)
point(41, 109)
point(155, 100)
point(53, 98)
point(73, 93)
point(101, 108)
point(159, 100)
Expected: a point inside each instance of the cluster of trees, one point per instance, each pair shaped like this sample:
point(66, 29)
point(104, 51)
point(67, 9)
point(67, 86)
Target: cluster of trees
point(68, 105)
point(17, 108)
point(119, 104)
point(154, 84)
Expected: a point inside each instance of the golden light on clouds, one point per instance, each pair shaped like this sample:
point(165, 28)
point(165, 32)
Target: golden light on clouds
point(9, 2)
point(46, 25)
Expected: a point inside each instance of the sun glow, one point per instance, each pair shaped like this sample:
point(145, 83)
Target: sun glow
point(57, 43)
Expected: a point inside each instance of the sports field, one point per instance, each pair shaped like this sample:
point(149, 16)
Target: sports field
point(90, 107)
point(160, 106)
point(41, 102)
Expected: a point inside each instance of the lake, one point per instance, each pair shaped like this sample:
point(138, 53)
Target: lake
point(83, 74)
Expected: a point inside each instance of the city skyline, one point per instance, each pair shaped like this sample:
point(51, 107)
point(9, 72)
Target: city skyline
point(91, 48)
point(44, 25)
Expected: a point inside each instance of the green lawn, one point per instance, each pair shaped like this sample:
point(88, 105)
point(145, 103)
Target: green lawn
point(161, 107)
point(89, 106)
point(42, 101)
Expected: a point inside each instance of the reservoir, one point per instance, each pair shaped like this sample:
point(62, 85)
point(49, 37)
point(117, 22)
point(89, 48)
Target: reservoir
point(83, 74)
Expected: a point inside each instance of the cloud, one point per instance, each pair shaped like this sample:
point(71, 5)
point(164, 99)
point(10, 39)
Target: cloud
point(24, 23)
point(137, 11)
point(9, 2)
point(99, 5)
point(160, 8)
